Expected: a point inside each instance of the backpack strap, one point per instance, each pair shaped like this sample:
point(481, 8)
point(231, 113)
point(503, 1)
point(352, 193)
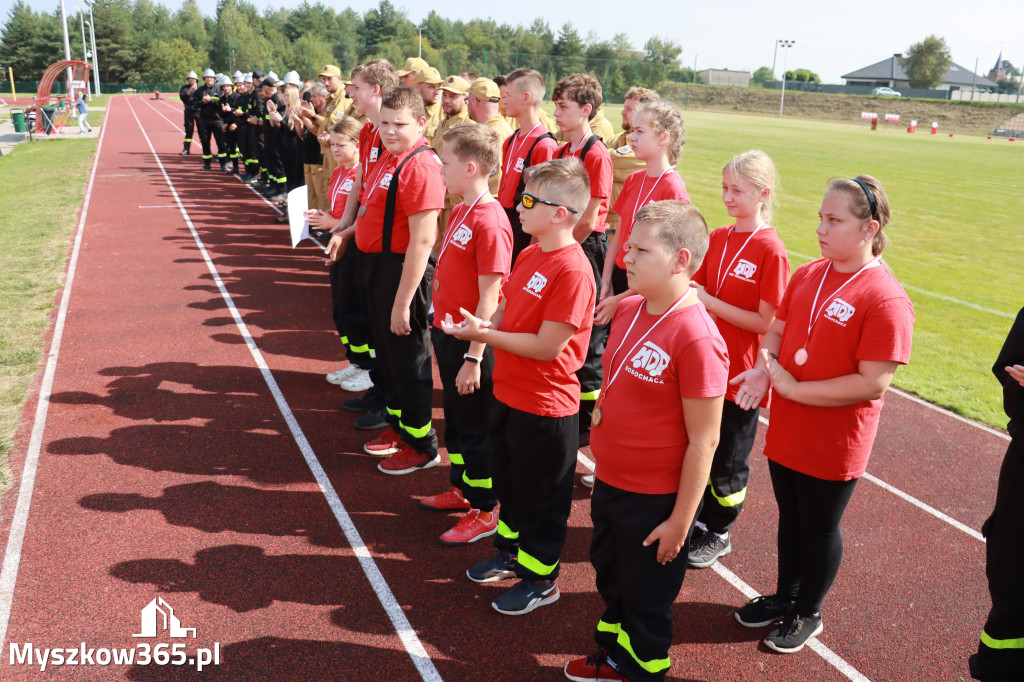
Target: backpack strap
point(389, 204)
point(521, 187)
point(586, 147)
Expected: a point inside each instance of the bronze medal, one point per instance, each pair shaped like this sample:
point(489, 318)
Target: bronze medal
point(595, 417)
point(437, 284)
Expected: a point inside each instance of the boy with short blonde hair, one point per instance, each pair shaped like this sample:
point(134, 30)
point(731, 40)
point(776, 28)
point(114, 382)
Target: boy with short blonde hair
point(666, 368)
point(474, 261)
point(540, 335)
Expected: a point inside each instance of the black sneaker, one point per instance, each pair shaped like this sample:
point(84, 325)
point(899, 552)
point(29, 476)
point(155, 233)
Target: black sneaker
point(794, 633)
point(358, 404)
point(525, 596)
point(763, 611)
point(370, 420)
point(707, 548)
point(499, 567)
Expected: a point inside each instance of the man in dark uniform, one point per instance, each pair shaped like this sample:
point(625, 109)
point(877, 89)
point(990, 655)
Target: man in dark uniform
point(1000, 656)
point(185, 95)
point(207, 99)
point(272, 162)
point(228, 102)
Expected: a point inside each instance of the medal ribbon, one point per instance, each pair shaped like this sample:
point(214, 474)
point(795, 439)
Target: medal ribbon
point(816, 314)
point(721, 277)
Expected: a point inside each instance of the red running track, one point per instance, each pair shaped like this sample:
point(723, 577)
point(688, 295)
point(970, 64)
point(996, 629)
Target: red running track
point(168, 468)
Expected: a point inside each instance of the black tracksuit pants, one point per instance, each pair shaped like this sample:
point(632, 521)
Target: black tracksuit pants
point(190, 125)
point(730, 469)
point(208, 127)
point(403, 369)
point(595, 246)
point(638, 591)
point(348, 305)
point(465, 421)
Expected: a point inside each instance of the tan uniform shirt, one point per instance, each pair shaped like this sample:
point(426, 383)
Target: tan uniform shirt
point(499, 125)
point(434, 116)
point(334, 109)
point(447, 124)
point(624, 162)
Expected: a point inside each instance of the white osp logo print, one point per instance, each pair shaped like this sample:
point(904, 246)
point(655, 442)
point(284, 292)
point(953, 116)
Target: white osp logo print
point(519, 165)
point(385, 181)
point(744, 269)
point(840, 311)
point(536, 283)
point(651, 358)
point(462, 236)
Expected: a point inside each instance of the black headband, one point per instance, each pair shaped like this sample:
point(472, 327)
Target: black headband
point(871, 197)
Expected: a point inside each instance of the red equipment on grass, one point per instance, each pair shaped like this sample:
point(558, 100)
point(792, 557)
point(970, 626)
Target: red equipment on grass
point(52, 117)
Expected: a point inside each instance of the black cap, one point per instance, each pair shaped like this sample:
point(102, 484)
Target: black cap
point(269, 83)
point(257, 75)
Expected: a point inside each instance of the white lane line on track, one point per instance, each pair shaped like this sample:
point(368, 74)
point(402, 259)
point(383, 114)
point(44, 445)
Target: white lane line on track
point(405, 631)
point(914, 501)
point(19, 522)
point(933, 294)
point(249, 187)
point(829, 656)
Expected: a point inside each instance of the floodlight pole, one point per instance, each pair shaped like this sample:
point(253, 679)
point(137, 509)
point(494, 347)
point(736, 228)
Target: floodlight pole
point(85, 49)
point(92, 37)
point(67, 45)
point(783, 44)
point(420, 29)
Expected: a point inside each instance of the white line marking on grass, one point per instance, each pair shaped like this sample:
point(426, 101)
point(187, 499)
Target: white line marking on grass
point(914, 501)
point(19, 522)
point(405, 631)
point(921, 401)
point(829, 656)
point(944, 297)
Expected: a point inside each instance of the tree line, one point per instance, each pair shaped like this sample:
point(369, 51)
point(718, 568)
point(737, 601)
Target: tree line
point(139, 41)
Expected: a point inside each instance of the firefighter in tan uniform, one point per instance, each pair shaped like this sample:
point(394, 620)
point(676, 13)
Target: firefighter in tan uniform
point(484, 97)
point(428, 82)
point(407, 74)
point(334, 109)
point(351, 110)
point(454, 92)
point(624, 161)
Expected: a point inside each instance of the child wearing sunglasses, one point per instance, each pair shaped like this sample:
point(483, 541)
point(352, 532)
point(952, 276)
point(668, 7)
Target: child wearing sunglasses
point(539, 335)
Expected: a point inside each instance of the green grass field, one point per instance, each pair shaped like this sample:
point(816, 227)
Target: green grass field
point(954, 233)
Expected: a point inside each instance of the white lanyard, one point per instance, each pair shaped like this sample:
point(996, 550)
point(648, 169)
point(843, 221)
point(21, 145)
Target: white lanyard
point(816, 314)
point(640, 202)
point(379, 167)
point(722, 275)
point(456, 225)
point(513, 149)
point(339, 185)
point(583, 141)
point(643, 303)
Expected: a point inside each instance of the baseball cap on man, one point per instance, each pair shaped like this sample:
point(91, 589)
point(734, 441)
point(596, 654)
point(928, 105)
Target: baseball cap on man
point(485, 90)
point(329, 70)
point(429, 75)
point(412, 65)
point(456, 85)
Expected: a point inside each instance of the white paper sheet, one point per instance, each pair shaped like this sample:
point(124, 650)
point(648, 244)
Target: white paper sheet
point(297, 205)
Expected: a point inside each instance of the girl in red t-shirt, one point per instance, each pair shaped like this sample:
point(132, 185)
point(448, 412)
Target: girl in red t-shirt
point(843, 327)
point(742, 280)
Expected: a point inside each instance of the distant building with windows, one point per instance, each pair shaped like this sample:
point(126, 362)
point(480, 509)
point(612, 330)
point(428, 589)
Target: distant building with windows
point(725, 77)
point(889, 72)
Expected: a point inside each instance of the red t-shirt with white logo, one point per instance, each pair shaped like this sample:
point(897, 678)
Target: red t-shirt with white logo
point(557, 286)
point(513, 160)
point(341, 183)
point(871, 319)
point(598, 164)
point(476, 243)
point(420, 188)
point(641, 441)
point(637, 191)
point(744, 276)
point(369, 141)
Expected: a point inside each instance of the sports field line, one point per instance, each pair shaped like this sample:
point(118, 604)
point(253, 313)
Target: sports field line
point(19, 522)
point(413, 646)
point(829, 656)
point(944, 297)
point(914, 501)
point(249, 187)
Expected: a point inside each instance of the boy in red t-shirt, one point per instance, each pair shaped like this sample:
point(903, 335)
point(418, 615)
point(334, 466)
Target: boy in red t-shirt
point(369, 83)
point(474, 260)
point(540, 337)
point(395, 231)
point(577, 98)
point(655, 431)
point(529, 145)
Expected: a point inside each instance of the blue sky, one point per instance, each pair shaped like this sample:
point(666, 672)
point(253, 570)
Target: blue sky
point(831, 39)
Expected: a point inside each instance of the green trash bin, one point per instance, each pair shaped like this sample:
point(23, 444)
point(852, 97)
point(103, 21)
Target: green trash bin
point(18, 117)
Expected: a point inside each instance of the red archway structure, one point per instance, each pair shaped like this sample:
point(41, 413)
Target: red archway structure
point(65, 104)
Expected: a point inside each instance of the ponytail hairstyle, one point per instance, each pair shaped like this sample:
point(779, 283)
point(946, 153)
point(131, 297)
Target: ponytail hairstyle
point(757, 168)
point(868, 201)
point(663, 117)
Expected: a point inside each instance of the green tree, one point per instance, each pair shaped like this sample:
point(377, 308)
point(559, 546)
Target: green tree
point(190, 26)
point(568, 43)
point(383, 25)
point(762, 75)
point(803, 76)
point(662, 51)
point(167, 61)
point(927, 62)
point(29, 42)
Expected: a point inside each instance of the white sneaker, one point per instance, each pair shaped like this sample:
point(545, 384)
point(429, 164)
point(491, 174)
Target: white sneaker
point(359, 381)
point(337, 377)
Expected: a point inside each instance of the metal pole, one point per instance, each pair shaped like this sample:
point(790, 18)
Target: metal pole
point(774, 55)
point(1019, 86)
point(85, 50)
point(420, 29)
point(67, 46)
point(785, 53)
point(975, 81)
point(95, 58)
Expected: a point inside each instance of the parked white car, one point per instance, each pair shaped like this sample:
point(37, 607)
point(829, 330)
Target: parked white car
point(885, 92)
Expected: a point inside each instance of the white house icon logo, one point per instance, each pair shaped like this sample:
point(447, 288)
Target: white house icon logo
point(151, 623)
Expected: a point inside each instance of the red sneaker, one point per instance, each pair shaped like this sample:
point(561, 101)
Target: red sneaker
point(406, 460)
point(470, 528)
point(387, 443)
point(593, 668)
point(449, 500)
